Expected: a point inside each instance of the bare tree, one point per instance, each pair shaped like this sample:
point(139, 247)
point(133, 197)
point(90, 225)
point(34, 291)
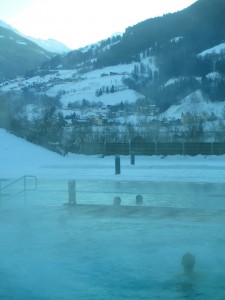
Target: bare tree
point(193, 120)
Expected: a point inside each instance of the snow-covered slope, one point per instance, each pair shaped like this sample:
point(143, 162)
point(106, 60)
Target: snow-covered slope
point(50, 45)
point(86, 87)
point(5, 25)
point(94, 86)
point(18, 54)
point(195, 104)
point(72, 87)
point(19, 157)
point(218, 49)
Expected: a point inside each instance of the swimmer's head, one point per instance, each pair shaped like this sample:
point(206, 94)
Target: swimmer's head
point(188, 262)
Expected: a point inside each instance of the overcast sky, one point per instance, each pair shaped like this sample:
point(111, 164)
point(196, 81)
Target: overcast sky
point(77, 23)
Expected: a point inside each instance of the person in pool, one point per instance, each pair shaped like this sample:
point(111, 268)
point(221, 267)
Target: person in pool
point(188, 263)
point(186, 284)
point(188, 281)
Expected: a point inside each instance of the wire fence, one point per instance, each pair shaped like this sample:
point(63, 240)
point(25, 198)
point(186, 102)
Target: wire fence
point(191, 149)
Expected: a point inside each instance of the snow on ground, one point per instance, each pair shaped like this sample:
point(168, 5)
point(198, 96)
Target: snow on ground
point(87, 86)
point(19, 157)
point(72, 87)
point(195, 104)
point(173, 81)
point(214, 76)
point(176, 39)
point(218, 49)
point(129, 96)
point(106, 252)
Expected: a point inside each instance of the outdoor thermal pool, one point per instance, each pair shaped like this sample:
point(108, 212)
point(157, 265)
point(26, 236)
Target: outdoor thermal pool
point(199, 195)
point(51, 251)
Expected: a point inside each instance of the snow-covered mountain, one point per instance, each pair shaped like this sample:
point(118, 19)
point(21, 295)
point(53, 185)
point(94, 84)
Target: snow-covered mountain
point(155, 71)
point(94, 86)
point(18, 54)
point(50, 45)
point(5, 25)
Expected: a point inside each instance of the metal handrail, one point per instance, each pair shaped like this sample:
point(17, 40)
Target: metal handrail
point(24, 190)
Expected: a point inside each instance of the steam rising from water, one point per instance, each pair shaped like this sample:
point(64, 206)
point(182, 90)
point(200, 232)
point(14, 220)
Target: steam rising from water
point(101, 253)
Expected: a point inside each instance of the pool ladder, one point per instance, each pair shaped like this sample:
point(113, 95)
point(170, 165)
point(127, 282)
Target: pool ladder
point(24, 182)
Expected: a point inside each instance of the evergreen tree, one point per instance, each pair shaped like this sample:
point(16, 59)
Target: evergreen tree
point(112, 90)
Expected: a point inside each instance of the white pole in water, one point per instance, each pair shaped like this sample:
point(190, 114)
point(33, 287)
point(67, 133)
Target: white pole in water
point(72, 192)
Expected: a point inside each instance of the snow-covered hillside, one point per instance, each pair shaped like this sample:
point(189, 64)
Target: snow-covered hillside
point(107, 85)
point(87, 86)
point(72, 87)
point(218, 49)
point(195, 104)
point(5, 25)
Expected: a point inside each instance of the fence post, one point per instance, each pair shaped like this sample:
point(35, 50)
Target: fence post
point(117, 164)
point(132, 159)
point(72, 192)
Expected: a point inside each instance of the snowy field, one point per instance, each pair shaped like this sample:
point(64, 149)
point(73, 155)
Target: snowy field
point(51, 251)
point(19, 158)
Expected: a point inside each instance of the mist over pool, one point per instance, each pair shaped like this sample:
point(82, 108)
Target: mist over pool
point(96, 250)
